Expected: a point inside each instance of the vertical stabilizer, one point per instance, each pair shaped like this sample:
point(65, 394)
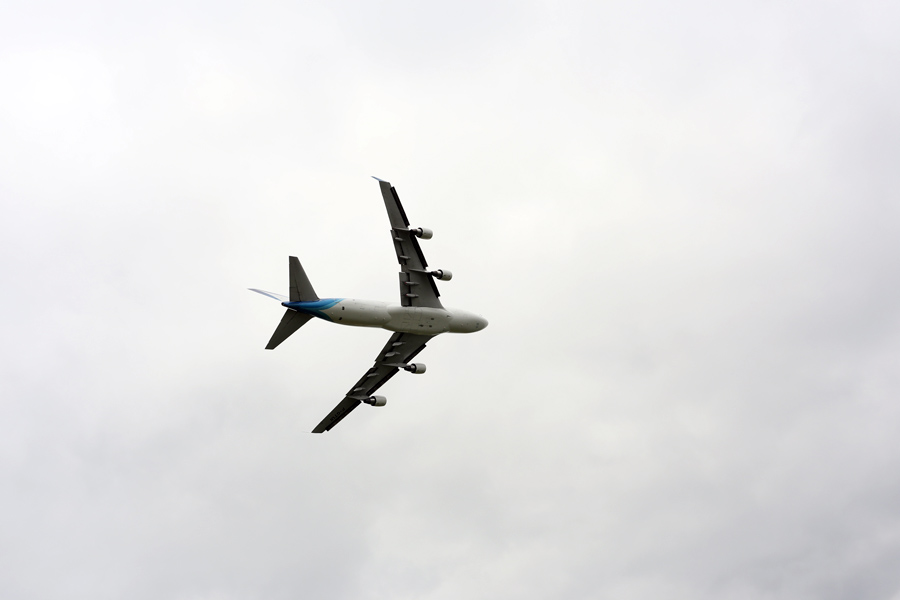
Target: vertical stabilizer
point(301, 289)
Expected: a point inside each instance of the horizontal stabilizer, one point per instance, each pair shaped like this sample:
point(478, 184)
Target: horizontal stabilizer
point(290, 322)
point(278, 297)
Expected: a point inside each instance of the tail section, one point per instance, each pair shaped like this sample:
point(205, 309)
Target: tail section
point(301, 289)
point(290, 322)
point(272, 295)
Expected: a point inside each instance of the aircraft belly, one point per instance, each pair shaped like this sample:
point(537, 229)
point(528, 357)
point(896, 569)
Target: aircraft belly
point(360, 313)
point(409, 319)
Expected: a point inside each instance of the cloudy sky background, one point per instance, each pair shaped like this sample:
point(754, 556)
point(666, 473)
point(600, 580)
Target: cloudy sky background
point(680, 219)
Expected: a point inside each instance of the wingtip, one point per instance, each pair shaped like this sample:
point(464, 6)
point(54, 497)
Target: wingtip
point(377, 179)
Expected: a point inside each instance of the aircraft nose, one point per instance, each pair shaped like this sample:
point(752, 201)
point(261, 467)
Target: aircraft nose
point(481, 323)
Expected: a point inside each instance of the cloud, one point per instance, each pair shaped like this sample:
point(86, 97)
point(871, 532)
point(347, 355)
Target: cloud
point(679, 222)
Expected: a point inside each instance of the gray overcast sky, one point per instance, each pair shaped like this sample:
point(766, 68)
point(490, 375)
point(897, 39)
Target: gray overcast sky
point(680, 219)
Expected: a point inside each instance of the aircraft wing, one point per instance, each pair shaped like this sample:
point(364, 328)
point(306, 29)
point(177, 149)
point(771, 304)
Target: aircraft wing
point(399, 350)
point(417, 287)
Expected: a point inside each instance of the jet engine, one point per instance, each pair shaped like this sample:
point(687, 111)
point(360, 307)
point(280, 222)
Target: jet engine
point(415, 368)
point(376, 400)
point(422, 232)
point(442, 274)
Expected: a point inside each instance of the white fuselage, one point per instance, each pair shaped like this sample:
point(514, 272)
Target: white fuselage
point(393, 317)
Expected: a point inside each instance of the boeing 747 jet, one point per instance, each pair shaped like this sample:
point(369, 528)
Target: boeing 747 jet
point(419, 317)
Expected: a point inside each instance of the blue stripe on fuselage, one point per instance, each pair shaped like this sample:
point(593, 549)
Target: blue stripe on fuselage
point(313, 308)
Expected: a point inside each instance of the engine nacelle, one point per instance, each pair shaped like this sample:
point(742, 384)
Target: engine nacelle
point(376, 400)
point(442, 274)
point(422, 232)
point(415, 368)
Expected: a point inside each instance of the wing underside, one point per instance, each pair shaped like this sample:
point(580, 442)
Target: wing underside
point(399, 350)
point(417, 286)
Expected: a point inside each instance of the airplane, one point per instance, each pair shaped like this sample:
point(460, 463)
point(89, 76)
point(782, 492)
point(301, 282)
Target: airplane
point(419, 317)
